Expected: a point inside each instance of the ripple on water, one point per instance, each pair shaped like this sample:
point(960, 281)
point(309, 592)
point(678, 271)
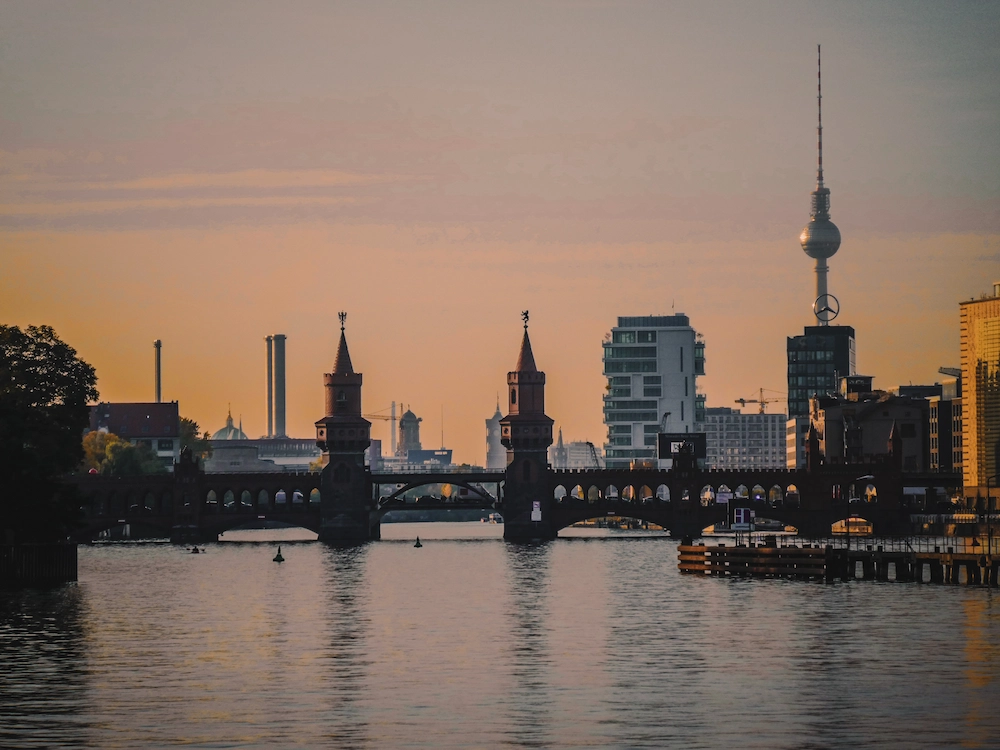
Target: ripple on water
point(590, 641)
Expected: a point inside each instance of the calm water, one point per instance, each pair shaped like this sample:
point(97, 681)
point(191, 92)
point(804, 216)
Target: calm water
point(591, 641)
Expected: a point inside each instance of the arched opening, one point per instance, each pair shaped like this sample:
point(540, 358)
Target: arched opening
point(263, 499)
point(593, 494)
point(871, 494)
point(577, 493)
point(315, 497)
point(685, 495)
point(133, 503)
point(852, 526)
point(757, 494)
point(341, 397)
point(513, 396)
point(774, 496)
point(724, 488)
point(559, 493)
point(792, 499)
point(707, 495)
point(149, 504)
point(628, 494)
point(663, 493)
point(742, 493)
point(297, 497)
point(211, 502)
point(645, 494)
point(611, 492)
point(229, 501)
point(246, 500)
point(280, 498)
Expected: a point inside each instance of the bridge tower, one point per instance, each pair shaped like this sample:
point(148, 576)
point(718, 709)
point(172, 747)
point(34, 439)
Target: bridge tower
point(526, 433)
point(343, 435)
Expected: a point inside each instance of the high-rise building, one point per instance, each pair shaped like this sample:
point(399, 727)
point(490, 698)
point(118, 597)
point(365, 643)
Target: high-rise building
point(496, 454)
point(734, 440)
point(651, 363)
point(980, 349)
point(816, 361)
point(824, 353)
point(945, 423)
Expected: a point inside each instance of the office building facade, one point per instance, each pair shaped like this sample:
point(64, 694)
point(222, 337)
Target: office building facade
point(734, 440)
point(980, 351)
point(651, 364)
point(816, 361)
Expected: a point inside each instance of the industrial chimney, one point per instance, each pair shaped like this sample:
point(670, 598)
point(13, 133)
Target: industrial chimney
point(270, 386)
point(157, 346)
point(279, 385)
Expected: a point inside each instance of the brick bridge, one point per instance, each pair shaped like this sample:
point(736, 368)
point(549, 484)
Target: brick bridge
point(346, 501)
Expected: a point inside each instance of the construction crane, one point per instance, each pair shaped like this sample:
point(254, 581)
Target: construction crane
point(760, 399)
point(391, 417)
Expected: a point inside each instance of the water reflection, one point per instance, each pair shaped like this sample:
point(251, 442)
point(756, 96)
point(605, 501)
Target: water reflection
point(530, 702)
point(344, 667)
point(43, 678)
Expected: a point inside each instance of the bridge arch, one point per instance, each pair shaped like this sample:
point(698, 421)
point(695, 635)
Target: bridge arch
point(559, 493)
point(577, 492)
point(611, 491)
point(775, 496)
point(593, 494)
point(663, 493)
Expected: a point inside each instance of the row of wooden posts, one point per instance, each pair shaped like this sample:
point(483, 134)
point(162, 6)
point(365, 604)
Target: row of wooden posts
point(813, 561)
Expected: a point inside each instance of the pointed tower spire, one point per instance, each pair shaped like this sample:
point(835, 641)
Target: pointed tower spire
point(342, 365)
point(525, 359)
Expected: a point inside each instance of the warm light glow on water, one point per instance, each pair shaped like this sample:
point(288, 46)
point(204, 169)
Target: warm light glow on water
point(594, 640)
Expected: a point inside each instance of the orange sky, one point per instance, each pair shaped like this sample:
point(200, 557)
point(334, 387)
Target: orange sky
point(210, 177)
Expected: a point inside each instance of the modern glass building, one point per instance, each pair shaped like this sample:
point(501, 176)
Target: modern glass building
point(816, 361)
point(651, 364)
point(980, 346)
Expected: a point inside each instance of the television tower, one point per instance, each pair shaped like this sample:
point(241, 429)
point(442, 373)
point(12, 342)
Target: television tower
point(821, 238)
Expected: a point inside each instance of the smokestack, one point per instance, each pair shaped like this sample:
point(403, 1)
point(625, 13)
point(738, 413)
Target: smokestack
point(157, 346)
point(279, 385)
point(270, 386)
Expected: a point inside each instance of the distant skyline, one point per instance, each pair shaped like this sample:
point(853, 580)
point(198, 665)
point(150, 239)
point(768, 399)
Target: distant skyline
point(211, 174)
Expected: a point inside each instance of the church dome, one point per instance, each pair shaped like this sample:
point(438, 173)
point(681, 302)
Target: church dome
point(230, 431)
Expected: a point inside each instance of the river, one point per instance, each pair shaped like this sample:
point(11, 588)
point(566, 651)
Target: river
point(593, 640)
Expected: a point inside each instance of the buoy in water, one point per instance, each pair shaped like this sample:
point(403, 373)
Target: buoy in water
point(418, 544)
point(278, 557)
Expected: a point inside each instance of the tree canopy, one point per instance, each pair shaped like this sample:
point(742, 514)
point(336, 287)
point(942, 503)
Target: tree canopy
point(199, 445)
point(45, 389)
point(110, 455)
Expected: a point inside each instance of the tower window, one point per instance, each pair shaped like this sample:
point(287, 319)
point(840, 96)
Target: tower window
point(513, 396)
point(341, 397)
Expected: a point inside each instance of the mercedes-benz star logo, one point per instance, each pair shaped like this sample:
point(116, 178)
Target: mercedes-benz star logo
point(826, 308)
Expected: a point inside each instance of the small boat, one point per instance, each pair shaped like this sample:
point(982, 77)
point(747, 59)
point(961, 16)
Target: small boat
point(278, 558)
point(418, 544)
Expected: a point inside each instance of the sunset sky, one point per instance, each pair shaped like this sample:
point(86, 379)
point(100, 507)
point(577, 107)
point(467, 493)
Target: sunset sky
point(210, 173)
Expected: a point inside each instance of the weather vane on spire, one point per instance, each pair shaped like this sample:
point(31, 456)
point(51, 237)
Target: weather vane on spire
point(524, 317)
point(343, 317)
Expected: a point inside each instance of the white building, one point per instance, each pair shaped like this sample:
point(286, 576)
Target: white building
point(651, 363)
point(734, 440)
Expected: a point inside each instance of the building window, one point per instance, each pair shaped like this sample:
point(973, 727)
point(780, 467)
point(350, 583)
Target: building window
point(685, 385)
point(620, 429)
point(165, 445)
point(622, 392)
point(513, 396)
point(646, 337)
point(651, 392)
point(651, 429)
point(682, 411)
point(682, 359)
point(652, 380)
point(623, 337)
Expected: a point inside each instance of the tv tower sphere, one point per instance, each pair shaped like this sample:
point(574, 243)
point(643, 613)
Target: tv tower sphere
point(821, 238)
